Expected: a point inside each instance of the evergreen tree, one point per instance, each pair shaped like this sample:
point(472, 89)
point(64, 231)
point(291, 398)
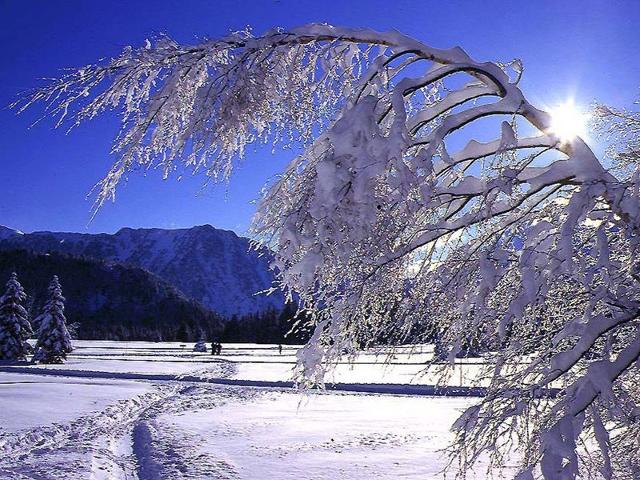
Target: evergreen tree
point(15, 328)
point(54, 341)
point(200, 346)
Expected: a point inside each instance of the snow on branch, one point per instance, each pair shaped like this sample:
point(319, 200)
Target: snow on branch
point(399, 220)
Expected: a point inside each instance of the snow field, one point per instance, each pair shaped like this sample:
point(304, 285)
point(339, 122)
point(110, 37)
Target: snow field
point(325, 436)
point(121, 410)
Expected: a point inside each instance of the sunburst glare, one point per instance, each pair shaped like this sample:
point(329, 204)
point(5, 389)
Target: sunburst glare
point(568, 121)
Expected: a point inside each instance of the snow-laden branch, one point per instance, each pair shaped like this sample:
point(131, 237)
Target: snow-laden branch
point(521, 247)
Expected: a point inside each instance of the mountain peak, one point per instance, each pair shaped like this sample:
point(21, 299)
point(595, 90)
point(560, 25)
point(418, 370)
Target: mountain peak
point(6, 232)
point(212, 266)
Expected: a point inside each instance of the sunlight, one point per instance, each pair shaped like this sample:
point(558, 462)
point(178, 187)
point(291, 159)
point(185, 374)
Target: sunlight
point(568, 121)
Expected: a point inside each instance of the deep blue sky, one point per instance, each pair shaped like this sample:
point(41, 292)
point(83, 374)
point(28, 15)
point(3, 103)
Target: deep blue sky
point(586, 49)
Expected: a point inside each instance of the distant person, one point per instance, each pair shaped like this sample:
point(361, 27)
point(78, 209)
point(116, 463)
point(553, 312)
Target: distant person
point(216, 348)
point(280, 348)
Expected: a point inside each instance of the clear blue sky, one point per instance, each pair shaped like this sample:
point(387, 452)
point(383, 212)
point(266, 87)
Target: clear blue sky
point(585, 49)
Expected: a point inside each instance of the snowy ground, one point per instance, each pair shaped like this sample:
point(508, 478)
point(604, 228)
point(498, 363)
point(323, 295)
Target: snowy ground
point(141, 410)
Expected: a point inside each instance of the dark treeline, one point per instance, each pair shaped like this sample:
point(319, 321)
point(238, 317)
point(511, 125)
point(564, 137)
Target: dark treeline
point(110, 301)
point(270, 326)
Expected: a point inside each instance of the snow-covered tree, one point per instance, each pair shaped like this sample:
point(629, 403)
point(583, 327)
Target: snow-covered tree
point(15, 328)
point(401, 215)
point(200, 346)
point(54, 341)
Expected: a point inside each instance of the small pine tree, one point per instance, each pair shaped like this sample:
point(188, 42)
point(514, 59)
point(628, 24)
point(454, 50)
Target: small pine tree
point(200, 346)
point(54, 341)
point(15, 328)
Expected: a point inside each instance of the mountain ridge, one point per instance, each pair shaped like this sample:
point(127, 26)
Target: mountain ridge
point(110, 301)
point(215, 267)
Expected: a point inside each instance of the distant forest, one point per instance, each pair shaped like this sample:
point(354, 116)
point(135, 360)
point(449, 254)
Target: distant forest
point(110, 301)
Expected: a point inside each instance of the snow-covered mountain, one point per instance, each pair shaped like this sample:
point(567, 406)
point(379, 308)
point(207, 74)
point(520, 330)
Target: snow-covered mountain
point(213, 266)
point(109, 300)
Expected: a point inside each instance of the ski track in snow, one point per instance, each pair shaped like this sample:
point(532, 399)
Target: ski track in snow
point(173, 455)
point(122, 441)
point(59, 451)
point(159, 457)
point(220, 377)
point(129, 441)
point(141, 438)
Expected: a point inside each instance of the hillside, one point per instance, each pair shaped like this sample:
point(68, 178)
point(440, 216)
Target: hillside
point(111, 301)
point(213, 267)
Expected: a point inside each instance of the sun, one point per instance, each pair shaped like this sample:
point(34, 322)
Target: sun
point(568, 121)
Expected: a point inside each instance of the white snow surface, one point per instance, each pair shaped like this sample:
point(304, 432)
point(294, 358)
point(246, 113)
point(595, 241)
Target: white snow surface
point(33, 400)
point(324, 436)
point(143, 410)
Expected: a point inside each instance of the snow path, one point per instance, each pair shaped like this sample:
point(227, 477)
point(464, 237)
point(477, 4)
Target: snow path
point(45, 452)
point(320, 436)
point(172, 418)
point(169, 455)
point(120, 442)
point(203, 377)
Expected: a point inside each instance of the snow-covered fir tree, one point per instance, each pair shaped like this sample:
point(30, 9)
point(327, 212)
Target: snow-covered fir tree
point(15, 328)
point(200, 346)
point(54, 340)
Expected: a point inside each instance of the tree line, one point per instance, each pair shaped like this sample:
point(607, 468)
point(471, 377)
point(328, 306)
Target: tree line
point(110, 301)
